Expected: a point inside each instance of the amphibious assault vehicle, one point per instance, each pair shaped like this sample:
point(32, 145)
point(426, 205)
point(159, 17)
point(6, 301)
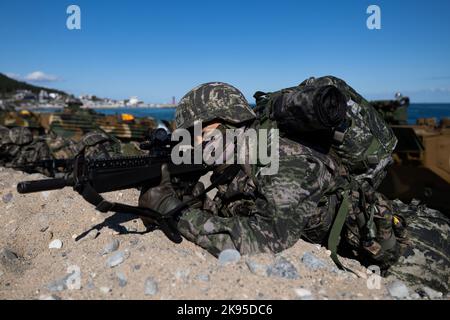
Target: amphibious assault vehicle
point(422, 156)
point(73, 122)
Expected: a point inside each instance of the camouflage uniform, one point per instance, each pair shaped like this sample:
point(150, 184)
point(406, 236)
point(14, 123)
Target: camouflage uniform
point(254, 212)
point(427, 261)
point(18, 147)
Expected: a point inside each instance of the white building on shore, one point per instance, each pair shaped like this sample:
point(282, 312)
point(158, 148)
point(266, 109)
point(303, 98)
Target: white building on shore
point(133, 102)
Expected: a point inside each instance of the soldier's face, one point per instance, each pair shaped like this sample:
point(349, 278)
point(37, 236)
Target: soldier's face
point(206, 131)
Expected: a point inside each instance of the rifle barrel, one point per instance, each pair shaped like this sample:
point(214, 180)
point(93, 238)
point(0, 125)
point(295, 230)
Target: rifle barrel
point(43, 185)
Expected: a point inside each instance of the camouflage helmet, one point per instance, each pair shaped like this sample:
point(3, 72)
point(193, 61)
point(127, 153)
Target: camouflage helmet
point(210, 101)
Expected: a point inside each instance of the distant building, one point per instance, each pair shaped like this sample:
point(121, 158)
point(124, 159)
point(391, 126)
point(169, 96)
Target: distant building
point(174, 101)
point(134, 101)
point(53, 96)
point(24, 95)
point(43, 96)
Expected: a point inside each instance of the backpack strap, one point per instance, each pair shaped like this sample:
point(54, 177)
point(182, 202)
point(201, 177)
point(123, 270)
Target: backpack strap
point(335, 233)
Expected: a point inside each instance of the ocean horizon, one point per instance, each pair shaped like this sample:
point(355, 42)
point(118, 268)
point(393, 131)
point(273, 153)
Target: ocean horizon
point(415, 111)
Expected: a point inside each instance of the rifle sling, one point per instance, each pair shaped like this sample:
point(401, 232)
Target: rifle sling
point(165, 221)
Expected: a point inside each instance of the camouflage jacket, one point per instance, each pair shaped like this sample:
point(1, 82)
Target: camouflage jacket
point(257, 213)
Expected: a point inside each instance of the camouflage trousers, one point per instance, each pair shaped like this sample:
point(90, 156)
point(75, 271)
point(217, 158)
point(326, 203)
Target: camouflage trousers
point(427, 261)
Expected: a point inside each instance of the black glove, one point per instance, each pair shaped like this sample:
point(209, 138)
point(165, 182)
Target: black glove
point(190, 191)
point(161, 198)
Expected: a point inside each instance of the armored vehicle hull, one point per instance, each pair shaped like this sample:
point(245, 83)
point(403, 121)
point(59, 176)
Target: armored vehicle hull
point(422, 158)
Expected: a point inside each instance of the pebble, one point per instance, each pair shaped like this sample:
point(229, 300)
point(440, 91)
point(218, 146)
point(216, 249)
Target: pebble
point(45, 194)
point(397, 289)
point(73, 280)
point(111, 247)
point(90, 285)
point(122, 279)
point(182, 274)
point(312, 262)
point(151, 287)
point(257, 268)
point(432, 294)
point(55, 244)
point(7, 197)
point(283, 269)
point(7, 255)
point(59, 284)
point(303, 294)
point(10, 260)
point(105, 290)
point(203, 277)
point(228, 256)
point(115, 259)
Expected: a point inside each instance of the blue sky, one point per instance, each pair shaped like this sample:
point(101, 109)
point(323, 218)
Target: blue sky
point(160, 49)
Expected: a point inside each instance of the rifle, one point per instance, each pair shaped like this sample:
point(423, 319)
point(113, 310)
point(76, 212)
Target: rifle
point(51, 166)
point(91, 177)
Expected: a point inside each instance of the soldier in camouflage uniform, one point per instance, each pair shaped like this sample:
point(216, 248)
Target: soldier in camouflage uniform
point(19, 149)
point(427, 261)
point(253, 212)
point(273, 212)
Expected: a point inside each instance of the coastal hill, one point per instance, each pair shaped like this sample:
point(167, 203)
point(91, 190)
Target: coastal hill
point(10, 86)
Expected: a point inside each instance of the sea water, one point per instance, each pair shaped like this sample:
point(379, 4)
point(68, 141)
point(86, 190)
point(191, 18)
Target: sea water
point(428, 110)
point(415, 111)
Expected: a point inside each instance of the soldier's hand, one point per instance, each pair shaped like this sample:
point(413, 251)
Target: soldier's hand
point(161, 198)
point(194, 191)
